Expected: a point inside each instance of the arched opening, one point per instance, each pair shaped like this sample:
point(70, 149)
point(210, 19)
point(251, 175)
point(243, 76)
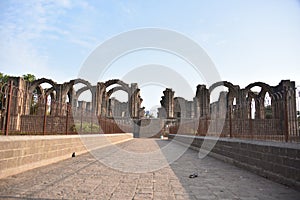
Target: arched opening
point(117, 99)
point(218, 102)
point(38, 103)
point(252, 108)
point(83, 117)
point(118, 105)
point(84, 100)
point(268, 106)
point(261, 93)
point(153, 93)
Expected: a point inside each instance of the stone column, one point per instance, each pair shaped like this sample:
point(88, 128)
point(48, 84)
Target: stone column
point(19, 94)
point(133, 97)
point(94, 100)
point(167, 103)
point(288, 106)
point(222, 105)
point(100, 90)
point(202, 102)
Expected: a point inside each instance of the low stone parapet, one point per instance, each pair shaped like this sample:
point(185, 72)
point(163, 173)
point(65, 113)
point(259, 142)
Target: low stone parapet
point(277, 161)
point(21, 153)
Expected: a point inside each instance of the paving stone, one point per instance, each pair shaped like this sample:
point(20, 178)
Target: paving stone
point(84, 177)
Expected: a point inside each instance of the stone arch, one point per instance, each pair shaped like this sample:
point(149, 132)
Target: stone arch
point(69, 91)
point(36, 85)
point(109, 102)
point(80, 80)
point(227, 84)
point(132, 90)
point(225, 102)
point(38, 82)
point(109, 93)
point(68, 87)
point(264, 89)
point(260, 97)
point(81, 90)
point(119, 82)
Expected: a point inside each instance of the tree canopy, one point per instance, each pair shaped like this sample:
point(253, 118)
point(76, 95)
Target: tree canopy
point(3, 78)
point(29, 77)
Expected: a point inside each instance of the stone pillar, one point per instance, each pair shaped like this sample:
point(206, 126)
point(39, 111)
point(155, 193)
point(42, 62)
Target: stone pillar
point(110, 107)
point(59, 100)
point(104, 105)
point(276, 103)
point(222, 105)
point(167, 103)
point(202, 102)
point(98, 98)
point(288, 105)
point(18, 101)
point(259, 108)
point(94, 100)
point(134, 104)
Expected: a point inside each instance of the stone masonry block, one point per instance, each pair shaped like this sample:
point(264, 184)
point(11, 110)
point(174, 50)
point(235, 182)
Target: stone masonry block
point(293, 153)
point(6, 154)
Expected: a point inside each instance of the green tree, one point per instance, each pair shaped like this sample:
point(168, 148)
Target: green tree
point(29, 77)
point(3, 78)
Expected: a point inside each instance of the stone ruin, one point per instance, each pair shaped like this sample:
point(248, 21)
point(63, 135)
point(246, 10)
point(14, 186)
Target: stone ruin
point(237, 103)
point(61, 101)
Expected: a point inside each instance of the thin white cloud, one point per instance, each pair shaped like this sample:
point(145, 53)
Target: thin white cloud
point(84, 42)
point(25, 25)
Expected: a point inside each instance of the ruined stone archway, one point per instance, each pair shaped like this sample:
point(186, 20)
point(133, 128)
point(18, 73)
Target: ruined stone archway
point(259, 99)
point(134, 100)
point(42, 95)
point(229, 103)
point(68, 90)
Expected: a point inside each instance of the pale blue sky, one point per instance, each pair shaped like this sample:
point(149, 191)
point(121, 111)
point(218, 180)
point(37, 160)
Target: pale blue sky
point(247, 40)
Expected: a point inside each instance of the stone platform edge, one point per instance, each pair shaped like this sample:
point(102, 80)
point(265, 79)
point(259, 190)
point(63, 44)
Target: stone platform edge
point(276, 161)
point(21, 153)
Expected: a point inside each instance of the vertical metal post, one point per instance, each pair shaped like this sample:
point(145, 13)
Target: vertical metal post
point(250, 126)
point(206, 126)
point(81, 113)
point(7, 121)
point(91, 121)
point(250, 120)
point(230, 122)
point(45, 116)
point(286, 123)
point(105, 123)
point(67, 120)
point(195, 127)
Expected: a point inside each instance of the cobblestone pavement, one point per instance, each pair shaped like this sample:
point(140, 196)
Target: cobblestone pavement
point(84, 177)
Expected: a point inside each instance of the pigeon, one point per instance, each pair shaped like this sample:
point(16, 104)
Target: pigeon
point(194, 175)
point(73, 155)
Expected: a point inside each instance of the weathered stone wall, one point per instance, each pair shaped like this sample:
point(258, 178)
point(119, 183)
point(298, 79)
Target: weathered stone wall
point(21, 153)
point(277, 161)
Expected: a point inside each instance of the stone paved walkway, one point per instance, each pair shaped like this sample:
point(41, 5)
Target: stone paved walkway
point(84, 177)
